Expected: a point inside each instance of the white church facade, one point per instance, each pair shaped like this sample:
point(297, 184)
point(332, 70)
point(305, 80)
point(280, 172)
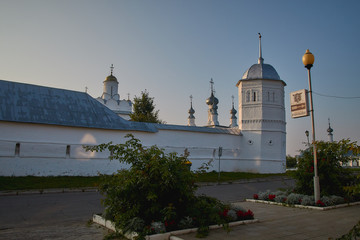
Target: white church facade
point(43, 130)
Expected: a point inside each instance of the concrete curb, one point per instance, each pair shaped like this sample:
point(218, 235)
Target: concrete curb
point(163, 236)
point(47, 191)
point(304, 207)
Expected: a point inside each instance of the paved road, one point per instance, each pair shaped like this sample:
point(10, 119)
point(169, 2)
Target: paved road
point(65, 215)
point(238, 192)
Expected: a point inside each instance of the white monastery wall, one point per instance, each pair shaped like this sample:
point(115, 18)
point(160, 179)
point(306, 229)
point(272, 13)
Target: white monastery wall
point(57, 150)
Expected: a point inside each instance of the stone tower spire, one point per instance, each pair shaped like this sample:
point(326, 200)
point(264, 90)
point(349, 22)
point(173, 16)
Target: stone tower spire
point(233, 118)
point(330, 132)
point(191, 118)
point(260, 60)
point(212, 102)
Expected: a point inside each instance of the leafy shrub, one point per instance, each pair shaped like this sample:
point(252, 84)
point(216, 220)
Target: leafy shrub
point(294, 198)
point(335, 200)
point(280, 198)
point(264, 195)
point(308, 200)
point(157, 193)
point(332, 176)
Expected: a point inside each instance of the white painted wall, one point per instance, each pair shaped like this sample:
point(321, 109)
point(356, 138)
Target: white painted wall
point(43, 150)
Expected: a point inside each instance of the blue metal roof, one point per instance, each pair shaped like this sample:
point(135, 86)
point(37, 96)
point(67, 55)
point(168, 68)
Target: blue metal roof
point(28, 103)
point(222, 130)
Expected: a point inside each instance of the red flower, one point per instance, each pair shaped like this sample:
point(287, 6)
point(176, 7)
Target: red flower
point(319, 203)
point(256, 196)
point(272, 197)
point(240, 214)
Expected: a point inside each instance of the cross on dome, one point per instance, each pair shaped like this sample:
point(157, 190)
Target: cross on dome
point(111, 69)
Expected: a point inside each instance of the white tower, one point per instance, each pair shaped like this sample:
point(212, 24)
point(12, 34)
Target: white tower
point(212, 102)
point(262, 113)
point(111, 84)
point(111, 98)
point(191, 118)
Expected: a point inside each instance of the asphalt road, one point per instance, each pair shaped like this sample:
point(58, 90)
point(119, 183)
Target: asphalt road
point(65, 215)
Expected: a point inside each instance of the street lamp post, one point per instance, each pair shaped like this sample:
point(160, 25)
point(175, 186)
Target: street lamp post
point(308, 60)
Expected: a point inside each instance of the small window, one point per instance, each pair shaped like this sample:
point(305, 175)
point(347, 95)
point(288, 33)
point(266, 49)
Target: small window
point(17, 149)
point(254, 96)
point(68, 151)
point(248, 96)
point(273, 97)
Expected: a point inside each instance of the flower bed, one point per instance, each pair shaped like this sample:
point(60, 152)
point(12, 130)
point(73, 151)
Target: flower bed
point(162, 236)
point(300, 200)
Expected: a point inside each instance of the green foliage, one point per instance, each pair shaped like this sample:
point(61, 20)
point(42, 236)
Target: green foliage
point(157, 191)
point(333, 177)
point(144, 109)
point(291, 162)
point(353, 234)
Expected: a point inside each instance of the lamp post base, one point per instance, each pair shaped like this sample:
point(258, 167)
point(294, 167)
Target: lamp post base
point(316, 189)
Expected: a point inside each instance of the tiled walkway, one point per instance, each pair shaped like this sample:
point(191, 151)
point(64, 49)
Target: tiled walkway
point(278, 222)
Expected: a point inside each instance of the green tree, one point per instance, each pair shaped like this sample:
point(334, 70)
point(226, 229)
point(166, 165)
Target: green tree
point(291, 162)
point(330, 157)
point(144, 109)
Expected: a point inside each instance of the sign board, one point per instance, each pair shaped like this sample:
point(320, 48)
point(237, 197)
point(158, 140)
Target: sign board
point(299, 102)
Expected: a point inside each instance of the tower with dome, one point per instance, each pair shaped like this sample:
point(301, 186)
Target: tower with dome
point(111, 98)
point(262, 111)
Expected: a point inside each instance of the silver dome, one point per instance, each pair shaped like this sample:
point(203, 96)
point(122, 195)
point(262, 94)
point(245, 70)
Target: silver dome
point(261, 71)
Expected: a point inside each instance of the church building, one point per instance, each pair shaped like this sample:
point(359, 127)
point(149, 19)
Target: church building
point(43, 129)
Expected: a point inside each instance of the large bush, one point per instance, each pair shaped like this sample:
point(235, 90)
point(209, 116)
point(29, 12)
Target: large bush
point(332, 176)
point(157, 192)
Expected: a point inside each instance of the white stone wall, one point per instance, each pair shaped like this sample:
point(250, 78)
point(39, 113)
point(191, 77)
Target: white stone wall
point(56, 150)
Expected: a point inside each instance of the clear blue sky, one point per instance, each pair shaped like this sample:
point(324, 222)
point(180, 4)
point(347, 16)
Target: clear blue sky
point(173, 47)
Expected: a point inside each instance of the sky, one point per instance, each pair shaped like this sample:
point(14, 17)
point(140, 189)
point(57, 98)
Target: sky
point(172, 48)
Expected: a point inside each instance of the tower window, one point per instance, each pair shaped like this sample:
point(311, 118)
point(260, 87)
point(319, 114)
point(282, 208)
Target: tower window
point(273, 97)
point(268, 93)
point(17, 149)
point(248, 96)
point(254, 96)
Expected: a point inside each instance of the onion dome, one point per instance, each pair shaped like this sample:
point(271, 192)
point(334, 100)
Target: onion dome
point(191, 111)
point(212, 100)
point(330, 130)
point(233, 111)
point(111, 77)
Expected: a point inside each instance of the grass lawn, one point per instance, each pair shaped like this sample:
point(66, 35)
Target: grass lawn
point(32, 182)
